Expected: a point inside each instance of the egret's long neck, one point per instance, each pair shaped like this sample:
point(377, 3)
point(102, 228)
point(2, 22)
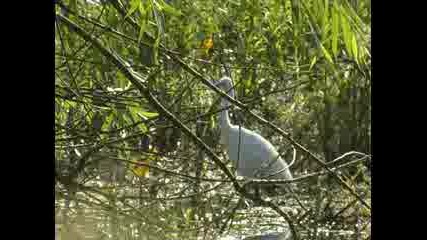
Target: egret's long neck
point(226, 85)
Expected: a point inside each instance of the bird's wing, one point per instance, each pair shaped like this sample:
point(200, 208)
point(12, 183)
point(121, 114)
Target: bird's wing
point(252, 147)
point(257, 155)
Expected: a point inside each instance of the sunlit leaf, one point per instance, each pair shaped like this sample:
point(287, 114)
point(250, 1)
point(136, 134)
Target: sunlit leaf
point(207, 43)
point(354, 47)
point(325, 17)
point(346, 32)
point(223, 10)
point(188, 213)
point(121, 79)
point(326, 54)
point(77, 152)
point(335, 29)
point(141, 9)
point(140, 170)
point(356, 20)
point(149, 114)
point(134, 4)
point(313, 61)
point(136, 114)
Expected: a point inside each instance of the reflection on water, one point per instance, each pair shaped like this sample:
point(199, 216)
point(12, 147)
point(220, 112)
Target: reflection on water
point(322, 234)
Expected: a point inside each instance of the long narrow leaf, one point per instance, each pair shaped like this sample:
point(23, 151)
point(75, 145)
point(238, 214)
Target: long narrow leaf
point(326, 54)
point(325, 17)
point(354, 48)
point(335, 29)
point(134, 4)
point(346, 30)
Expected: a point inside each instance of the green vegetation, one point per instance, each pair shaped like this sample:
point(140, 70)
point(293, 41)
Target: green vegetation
point(128, 169)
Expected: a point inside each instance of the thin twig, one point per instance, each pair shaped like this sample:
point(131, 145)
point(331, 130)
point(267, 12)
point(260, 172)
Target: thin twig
point(138, 81)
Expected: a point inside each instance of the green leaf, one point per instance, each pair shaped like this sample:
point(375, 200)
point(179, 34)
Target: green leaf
point(112, 19)
point(135, 114)
point(73, 5)
point(159, 22)
point(89, 117)
point(350, 11)
point(169, 9)
point(346, 32)
point(354, 47)
point(335, 30)
point(188, 213)
point(108, 120)
point(149, 114)
point(248, 83)
point(127, 117)
point(141, 10)
point(212, 121)
point(313, 61)
point(320, 11)
point(142, 24)
point(120, 117)
point(325, 15)
point(134, 4)
point(121, 79)
point(70, 104)
point(326, 54)
point(143, 127)
point(156, 47)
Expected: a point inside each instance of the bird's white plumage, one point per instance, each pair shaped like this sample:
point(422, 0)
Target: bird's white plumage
point(258, 158)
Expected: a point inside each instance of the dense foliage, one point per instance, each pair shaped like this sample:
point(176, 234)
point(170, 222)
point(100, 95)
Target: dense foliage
point(126, 170)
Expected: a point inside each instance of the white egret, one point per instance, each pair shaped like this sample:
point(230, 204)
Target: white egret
point(258, 158)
